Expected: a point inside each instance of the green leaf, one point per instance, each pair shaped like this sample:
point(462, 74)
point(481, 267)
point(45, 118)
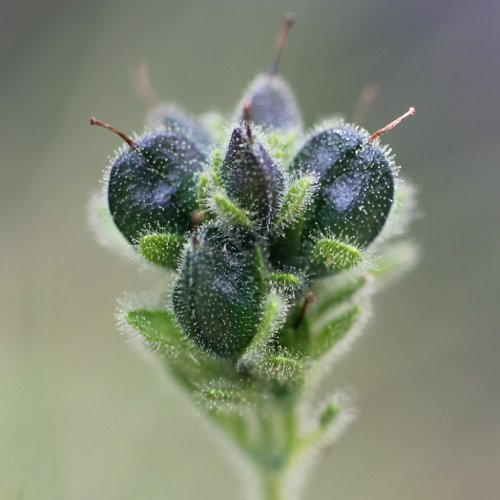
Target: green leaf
point(161, 249)
point(333, 332)
point(336, 255)
point(161, 334)
point(158, 329)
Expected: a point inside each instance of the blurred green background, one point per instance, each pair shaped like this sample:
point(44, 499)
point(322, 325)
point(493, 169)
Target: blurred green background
point(82, 416)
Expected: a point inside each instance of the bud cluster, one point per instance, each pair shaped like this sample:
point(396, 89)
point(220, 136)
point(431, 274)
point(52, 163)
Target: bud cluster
point(256, 219)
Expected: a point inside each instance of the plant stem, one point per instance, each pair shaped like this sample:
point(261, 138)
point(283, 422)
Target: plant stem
point(272, 485)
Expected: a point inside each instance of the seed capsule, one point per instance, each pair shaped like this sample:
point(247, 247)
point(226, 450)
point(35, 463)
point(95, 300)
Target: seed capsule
point(251, 178)
point(152, 185)
point(356, 185)
point(218, 293)
point(270, 98)
point(273, 103)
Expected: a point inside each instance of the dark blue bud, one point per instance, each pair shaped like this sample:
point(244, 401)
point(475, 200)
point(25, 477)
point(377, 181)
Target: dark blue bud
point(153, 185)
point(273, 104)
point(356, 185)
point(269, 97)
point(218, 293)
point(251, 178)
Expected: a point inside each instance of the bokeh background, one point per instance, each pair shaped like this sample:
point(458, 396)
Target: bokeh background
point(82, 416)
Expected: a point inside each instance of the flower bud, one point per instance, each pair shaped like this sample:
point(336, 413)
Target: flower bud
point(251, 178)
point(273, 104)
point(356, 185)
point(153, 185)
point(219, 290)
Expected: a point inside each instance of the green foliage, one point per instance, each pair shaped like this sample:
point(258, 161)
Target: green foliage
point(336, 255)
point(161, 249)
point(256, 232)
point(333, 332)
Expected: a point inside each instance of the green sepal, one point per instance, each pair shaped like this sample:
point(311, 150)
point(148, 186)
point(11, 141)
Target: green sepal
point(273, 316)
point(335, 255)
point(333, 332)
point(295, 202)
point(203, 187)
point(161, 249)
point(229, 211)
point(223, 396)
point(287, 281)
point(397, 258)
point(333, 298)
point(327, 416)
point(282, 371)
point(217, 160)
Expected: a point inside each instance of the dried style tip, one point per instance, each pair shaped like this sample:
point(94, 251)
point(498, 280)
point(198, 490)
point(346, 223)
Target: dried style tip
point(128, 140)
point(248, 118)
point(289, 21)
point(391, 125)
point(197, 218)
point(196, 239)
point(310, 298)
point(140, 82)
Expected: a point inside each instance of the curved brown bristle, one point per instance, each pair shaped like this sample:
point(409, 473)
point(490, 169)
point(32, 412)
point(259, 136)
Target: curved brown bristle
point(196, 219)
point(289, 21)
point(126, 138)
point(247, 113)
point(309, 299)
point(391, 125)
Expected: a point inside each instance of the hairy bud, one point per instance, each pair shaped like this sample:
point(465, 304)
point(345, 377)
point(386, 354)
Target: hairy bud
point(218, 292)
point(251, 178)
point(153, 186)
